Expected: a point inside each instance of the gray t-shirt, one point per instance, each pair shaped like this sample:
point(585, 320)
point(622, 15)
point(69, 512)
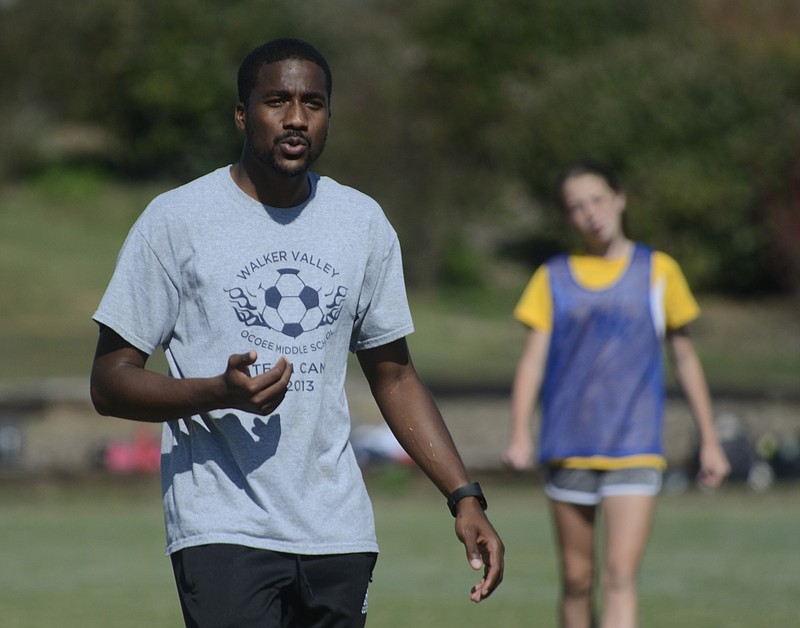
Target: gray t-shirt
point(206, 272)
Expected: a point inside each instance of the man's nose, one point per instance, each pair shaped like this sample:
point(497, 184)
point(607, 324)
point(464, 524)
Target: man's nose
point(296, 116)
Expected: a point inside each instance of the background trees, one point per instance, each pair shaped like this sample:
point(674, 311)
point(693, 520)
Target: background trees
point(455, 115)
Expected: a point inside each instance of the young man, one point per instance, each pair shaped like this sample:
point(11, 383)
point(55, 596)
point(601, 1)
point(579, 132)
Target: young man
point(257, 279)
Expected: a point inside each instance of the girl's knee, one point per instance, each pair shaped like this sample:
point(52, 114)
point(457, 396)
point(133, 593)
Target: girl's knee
point(619, 579)
point(577, 585)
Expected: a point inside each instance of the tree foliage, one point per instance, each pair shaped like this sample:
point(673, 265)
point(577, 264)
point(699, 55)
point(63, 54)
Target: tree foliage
point(455, 114)
point(701, 118)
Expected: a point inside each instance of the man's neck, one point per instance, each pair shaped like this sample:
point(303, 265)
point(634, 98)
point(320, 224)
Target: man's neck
point(271, 188)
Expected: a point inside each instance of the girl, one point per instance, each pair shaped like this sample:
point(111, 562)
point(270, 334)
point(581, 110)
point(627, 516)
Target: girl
point(593, 351)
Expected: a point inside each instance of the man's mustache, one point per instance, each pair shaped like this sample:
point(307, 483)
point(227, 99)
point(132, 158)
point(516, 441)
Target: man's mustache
point(289, 135)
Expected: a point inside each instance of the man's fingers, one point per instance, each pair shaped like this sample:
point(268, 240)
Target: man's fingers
point(240, 361)
point(493, 560)
point(276, 377)
point(272, 387)
point(261, 393)
point(484, 550)
point(493, 574)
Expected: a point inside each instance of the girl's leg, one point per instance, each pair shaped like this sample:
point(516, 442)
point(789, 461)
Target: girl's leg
point(628, 521)
point(574, 526)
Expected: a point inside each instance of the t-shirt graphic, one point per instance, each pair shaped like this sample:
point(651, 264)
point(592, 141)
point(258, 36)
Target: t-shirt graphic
point(288, 305)
point(282, 301)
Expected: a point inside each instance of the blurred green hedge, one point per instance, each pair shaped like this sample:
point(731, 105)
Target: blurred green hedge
point(455, 114)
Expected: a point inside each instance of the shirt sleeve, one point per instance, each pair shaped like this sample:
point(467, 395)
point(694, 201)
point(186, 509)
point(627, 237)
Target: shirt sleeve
point(680, 305)
point(535, 307)
point(383, 314)
point(141, 301)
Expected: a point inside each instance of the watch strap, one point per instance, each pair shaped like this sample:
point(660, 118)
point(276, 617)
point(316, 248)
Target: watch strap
point(468, 490)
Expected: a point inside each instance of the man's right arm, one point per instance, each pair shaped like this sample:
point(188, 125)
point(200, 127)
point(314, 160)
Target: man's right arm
point(121, 386)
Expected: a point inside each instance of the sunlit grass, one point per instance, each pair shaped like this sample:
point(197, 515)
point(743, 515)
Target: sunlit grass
point(91, 555)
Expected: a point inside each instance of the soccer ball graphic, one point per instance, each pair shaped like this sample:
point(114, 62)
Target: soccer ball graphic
point(291, 306)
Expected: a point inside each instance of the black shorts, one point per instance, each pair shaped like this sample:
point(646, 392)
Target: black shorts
point(241, 587)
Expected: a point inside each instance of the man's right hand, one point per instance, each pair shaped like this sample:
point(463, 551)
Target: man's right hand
point(259, 394)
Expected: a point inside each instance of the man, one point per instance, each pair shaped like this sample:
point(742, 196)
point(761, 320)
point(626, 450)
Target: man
point(257, 279)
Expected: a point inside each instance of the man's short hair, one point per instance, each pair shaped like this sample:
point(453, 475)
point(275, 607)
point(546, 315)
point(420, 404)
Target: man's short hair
point(273, 52)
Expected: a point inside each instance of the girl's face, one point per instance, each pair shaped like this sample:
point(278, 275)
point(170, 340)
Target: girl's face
point(594, 209)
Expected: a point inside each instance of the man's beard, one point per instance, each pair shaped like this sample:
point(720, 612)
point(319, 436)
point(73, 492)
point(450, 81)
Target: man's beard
point(298, 168)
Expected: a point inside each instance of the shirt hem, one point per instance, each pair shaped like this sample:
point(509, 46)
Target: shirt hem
point(272, 545)
point(102, 319)
point(384, 339)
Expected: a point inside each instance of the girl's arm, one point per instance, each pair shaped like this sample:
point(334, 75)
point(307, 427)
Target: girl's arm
point(525, 391)
point(714, 466)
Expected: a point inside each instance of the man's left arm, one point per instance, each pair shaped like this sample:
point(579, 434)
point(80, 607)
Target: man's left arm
point(411, 413)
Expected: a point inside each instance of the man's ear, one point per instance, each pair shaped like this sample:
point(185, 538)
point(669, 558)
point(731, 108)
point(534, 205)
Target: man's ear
point(240, 116)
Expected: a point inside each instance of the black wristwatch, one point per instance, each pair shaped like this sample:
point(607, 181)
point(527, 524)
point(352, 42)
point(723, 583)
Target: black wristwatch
point(468, 490)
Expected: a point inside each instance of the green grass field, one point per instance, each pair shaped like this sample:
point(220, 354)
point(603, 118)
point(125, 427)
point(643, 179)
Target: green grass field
point(90, 555)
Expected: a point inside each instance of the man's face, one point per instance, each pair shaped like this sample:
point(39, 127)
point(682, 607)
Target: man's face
point(287, 116)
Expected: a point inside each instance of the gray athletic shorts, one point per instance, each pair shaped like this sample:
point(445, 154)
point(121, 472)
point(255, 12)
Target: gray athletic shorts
point(588, 487)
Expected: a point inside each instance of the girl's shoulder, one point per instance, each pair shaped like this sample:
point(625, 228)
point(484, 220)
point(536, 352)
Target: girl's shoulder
point(664, 265)
point(663, 258)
